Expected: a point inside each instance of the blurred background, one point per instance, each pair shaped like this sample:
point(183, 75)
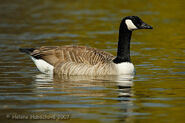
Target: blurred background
point(156, 94)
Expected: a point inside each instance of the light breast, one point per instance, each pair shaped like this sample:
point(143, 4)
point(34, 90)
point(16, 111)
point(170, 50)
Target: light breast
point(125, 68)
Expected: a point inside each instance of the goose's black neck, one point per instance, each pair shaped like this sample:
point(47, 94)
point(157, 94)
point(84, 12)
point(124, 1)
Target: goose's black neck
point(123, 52)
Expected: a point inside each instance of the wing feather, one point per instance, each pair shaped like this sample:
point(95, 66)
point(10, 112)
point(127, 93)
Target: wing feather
point(78, 54)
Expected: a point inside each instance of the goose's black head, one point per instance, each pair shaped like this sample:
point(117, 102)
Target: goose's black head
point(134, 23)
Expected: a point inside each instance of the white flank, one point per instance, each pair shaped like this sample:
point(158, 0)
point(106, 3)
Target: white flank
point(43, 66)
point(130, 25)
point(125, 68)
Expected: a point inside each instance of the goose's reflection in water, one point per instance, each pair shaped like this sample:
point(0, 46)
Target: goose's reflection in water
point(111, 95)
point(122, 83)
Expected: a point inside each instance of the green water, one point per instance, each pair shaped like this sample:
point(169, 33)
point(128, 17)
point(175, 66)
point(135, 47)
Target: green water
point(157, 92)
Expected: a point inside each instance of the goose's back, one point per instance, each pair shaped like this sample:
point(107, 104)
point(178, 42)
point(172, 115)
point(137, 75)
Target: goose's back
point(75, 60)
point(77, 54)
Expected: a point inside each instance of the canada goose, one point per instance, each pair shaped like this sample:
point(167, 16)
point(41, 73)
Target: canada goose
point(82, 60)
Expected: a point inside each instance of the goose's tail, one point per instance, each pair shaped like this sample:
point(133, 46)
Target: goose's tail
point(26, 50)
point(41, 64)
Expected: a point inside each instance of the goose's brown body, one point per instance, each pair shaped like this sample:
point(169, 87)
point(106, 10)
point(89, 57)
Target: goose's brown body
point(76, 60)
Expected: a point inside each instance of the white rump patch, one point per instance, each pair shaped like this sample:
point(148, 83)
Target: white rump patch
point(43, 66)
point(130, 25)
point(125, 68)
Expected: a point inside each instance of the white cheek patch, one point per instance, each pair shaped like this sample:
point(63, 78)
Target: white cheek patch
point(130, 25)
